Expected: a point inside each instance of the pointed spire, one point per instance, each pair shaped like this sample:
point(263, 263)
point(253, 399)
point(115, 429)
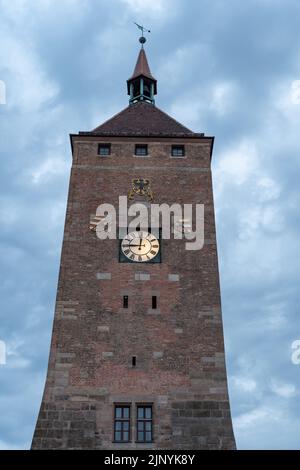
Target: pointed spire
point(142, 66)
point(142, 86)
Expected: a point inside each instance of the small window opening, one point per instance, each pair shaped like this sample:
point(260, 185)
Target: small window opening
point(136, 88)
point(147, 91)
point(125, 301)
point(154, 301)
point(141, 150)
point(104, 150)
point(178, 151)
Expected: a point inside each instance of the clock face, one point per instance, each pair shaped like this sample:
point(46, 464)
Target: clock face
point(140, 246)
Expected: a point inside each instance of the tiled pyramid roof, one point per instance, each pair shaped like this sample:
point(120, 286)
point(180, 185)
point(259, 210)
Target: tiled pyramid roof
point(143, 119)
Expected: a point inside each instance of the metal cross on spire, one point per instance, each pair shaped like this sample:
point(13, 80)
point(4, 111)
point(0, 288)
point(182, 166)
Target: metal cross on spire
point(144, 30)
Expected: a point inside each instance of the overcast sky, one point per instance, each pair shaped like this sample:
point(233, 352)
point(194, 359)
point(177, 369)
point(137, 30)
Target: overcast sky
point(228, 68)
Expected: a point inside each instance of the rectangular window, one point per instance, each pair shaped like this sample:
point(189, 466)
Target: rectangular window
point(122, 423)
point(125, 301)
point(104, 150)
point(141, 150)
point(154, 301)
point(144, 423)
point(133, 361)
point(178, 151)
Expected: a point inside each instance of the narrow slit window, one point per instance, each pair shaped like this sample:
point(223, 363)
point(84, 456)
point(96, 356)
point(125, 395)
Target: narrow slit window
point(122, 423)
point(133, 361)
point(125, 301)
point(154, 301)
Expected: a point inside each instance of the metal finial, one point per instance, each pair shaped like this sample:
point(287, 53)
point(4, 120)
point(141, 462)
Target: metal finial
point(144, 30)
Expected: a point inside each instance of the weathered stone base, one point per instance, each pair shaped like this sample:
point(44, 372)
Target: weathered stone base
point(183, 425)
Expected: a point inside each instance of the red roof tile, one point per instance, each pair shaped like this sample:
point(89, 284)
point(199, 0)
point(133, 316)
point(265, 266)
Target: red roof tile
point(142, 119)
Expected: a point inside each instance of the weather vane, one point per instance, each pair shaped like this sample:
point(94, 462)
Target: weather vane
point(144, 30)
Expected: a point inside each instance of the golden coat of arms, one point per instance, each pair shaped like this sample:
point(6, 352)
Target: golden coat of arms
point(141, 187)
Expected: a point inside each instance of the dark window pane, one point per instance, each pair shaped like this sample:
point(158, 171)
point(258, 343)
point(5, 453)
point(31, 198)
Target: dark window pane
point(144, 423)
point(141, 150)
point(148, 426)
point(136, 88)
point(104, 149)
point(140, 426)
point(122, 423)
point(126, 426)
point(178, 151)
point(146, 89)
point(118, 425)
point(154, 302)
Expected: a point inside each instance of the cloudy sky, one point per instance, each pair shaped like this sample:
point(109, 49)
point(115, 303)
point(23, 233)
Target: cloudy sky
point(224, 67)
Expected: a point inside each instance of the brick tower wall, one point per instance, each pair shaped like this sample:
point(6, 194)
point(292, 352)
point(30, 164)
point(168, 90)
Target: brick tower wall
point(179, 346)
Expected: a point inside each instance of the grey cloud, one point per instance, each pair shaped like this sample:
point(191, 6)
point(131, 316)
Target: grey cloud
point(77, 61)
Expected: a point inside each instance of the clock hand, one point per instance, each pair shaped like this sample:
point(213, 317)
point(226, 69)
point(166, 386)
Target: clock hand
point(137, 245)
point(133, 245)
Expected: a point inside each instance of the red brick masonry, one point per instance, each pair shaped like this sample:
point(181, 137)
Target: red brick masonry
point(179, 347)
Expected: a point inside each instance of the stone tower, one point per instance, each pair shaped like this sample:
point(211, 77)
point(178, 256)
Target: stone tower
point(137, 354)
